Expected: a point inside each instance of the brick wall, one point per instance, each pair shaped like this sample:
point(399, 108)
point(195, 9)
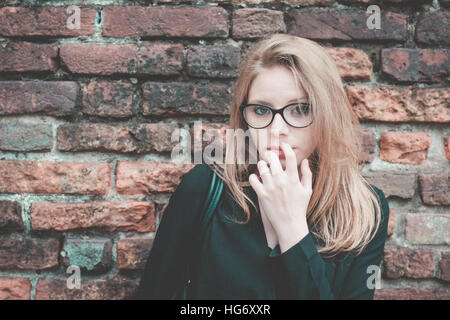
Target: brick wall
point(86, 116)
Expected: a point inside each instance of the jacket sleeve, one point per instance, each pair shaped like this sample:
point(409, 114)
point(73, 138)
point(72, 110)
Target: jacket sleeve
point(166, 264)
point(303, 271)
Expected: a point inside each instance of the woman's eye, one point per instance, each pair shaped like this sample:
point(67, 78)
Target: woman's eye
point(301, 109)
point(261, 110)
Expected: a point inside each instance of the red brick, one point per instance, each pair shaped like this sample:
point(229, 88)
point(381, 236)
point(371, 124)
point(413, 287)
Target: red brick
point(26, 253)
point(21, 136)
point(15, 288)
point(218, 61)
point(20, 176)
point(101, 289)
point(109, 99)
point(392, 183)
point(149, 177)
point(209, 22)
point(424, 65)
point(179, 98)
point(427, 229)
point(404, 147)
point(404, 262)
point(251, 23)
point(10, 216)
point(44, 21)
point(447, 147)
point(104, 216)
point(434, 28)
point(435, 188)
point(352, 64)
point(400, 104)
point(345, 24)
point(53, 98)
point(132, 253)
point(26, 56)
point(368, 145)
point(150, 137)
point(444, 266)
point(147, 58)
point(412, 294)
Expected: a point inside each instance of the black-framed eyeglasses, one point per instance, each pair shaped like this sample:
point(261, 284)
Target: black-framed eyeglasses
point(260, 116)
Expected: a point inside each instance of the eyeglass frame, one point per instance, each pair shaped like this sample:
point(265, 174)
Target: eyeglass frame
point(274, 112)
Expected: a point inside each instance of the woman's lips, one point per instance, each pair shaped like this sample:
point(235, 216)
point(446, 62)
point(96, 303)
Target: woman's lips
point(278, 151)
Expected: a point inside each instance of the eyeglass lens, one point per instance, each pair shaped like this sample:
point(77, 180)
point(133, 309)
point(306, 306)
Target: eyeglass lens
point(297, 115)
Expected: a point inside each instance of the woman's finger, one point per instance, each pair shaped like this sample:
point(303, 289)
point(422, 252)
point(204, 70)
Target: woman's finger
point(264, 172)
point(291, 160)
point(275, 164)
point(306, 174)
point(256, 184)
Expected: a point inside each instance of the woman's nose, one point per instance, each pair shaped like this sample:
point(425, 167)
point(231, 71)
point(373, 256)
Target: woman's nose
point(279, 125)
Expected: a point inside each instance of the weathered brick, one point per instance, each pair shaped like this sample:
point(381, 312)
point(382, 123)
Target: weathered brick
point(400, 104)
point(424, 65)
point(392, 183)
point(20, 176)
point(26, 56)
point(427, 229)
point(251, 23)
point(178, 98)
point(444, 266)
point(149, 177)
point(102, 289)
point(15, 288)
point(132, 253)
point(53, 98)
point(434, 28)
point(404, 147)
point(353, 64)
point(447, 147)
point(368, 145)
point(435, 188)
point(412, 294)
point(404, 262)
point(305, 2)
point(26, 253)
point(391, 222)
point(45, 21)
point(21, 136)
point(150, 137)
point(345, 24)
point(147, 58)
point(109, 99)
point(10, 216)
point(210, 22)
point(218, 61)
point(104, 216)
point(92, 256)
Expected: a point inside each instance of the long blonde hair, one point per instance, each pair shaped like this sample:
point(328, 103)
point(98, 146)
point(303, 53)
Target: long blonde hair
point(343, 212)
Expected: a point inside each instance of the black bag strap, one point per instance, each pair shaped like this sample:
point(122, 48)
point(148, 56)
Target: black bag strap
point(209, 206)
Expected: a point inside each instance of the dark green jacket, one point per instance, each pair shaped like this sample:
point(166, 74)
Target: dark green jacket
point(234, 261)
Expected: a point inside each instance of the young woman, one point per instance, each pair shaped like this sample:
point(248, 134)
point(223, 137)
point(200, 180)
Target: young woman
point(315, 229)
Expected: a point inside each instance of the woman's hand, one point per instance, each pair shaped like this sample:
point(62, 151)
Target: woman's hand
point(284, 197)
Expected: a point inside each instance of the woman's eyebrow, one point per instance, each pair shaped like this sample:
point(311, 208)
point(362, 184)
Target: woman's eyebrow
point(264, 102)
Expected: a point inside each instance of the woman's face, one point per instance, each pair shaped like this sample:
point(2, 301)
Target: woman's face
point(276, 88)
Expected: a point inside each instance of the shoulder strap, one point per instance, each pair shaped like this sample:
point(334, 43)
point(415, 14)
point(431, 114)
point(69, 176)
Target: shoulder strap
point(213, 199)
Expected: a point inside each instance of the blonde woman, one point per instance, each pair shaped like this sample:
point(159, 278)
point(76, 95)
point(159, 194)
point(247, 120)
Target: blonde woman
point(302, 222)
